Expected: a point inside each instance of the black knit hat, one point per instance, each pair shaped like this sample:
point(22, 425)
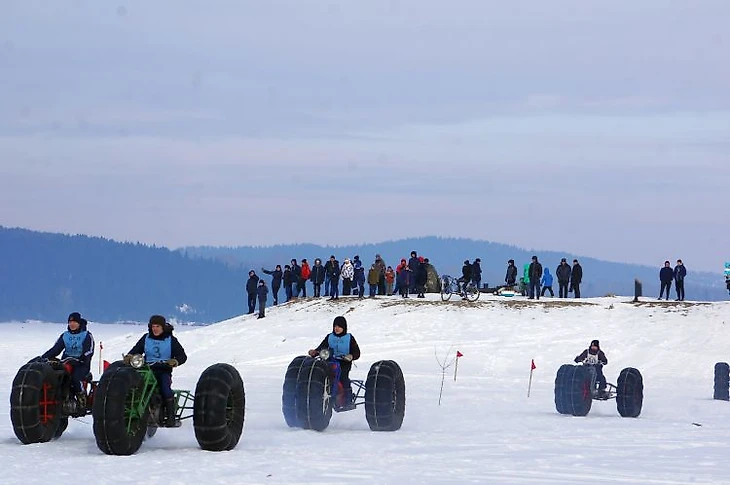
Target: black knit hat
point(341, 322)
point(74, 317)
point(595, 342)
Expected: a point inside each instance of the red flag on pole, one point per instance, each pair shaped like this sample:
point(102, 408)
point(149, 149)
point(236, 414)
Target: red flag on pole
point(459, 354)
point(532, 365)
point(106, 364)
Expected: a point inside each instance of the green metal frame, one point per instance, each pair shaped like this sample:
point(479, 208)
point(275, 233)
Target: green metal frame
point(139, 400)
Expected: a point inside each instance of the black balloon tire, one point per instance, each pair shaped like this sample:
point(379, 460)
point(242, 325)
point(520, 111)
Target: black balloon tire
point(573, 390)
point(385, 396)
point(289, 391)
point(629, 393)
point(26, 396)
point(108, 411)
point(722, 382)
point(219, 408)
point(314, 398)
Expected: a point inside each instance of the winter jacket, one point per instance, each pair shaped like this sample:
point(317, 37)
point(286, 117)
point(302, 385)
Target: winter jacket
point(305, 272)
point(276, 276)
point(403, 275)
point(176, 350)
point(421, 274)
point(535, 271)
point(413, 263)
point(296, 272)
point(666, 274)
point(287, 277)
point(252, 283)
point(547, 278)
point(526, 273)
point(332, 269)
point(374, 276)
point(576, 274)
point(600, 356)
point(562, 272)
point(680, 272)
point(78, 344)
point(318, 274)
point(511, 276)
point(347, 271)
point(359, 275)
point(390, 276)
point(262, 291)
point(380, 264)
point(476, 270)
point(466, 272)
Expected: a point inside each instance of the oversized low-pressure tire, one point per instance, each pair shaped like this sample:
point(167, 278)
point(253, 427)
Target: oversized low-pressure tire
point(629, 393)
point(385, 396)
point(573, 390)
point(314, 395)
point(722, 381)
point(219, 408)
point(289, 391)
point(62, 425)
point(35, 407)
point(117, 430)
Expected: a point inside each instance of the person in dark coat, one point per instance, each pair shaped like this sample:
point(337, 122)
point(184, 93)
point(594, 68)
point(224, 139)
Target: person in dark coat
point(261, 292)
point(276, 277)
point(465, 276)
point(403, 278)
point(78, 343)
point(594, 356)
point(666, 275)
point(345, 349)
point(288, 279)
point(679, 274)
point(251, 284)
point(163, 352)
point(421, 277)
point(296, 274)
point(510, 278)
point(535, 275)
point(562, 273)
point(332, 269)
point(413, 264)
point(476, 272)
point(576, 276)
point(317, 277)
point(359, 276)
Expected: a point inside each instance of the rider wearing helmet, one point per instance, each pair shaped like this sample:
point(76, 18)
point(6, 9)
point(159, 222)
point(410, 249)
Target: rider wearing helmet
point(594, 356)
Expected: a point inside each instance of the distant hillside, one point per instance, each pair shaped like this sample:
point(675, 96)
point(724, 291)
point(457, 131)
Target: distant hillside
point(46, 276)
point(448, 254)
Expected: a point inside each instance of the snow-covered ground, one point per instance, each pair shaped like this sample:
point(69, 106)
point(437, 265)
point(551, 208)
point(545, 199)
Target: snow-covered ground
point(486, 429)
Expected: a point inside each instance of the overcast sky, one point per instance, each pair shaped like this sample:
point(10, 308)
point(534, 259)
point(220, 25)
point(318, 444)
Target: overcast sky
point(599, 128)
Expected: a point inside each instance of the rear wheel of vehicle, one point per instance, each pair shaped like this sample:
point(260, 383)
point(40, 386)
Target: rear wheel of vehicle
point(35, 407)
point(314, 395)
point(385, 396)
point(722, 381)
point(219, 408)
point(573, 392)
point(289, 391)
point(629, 393)
point(445, 290)
point(62, 425)
point(471, 292)
point(119, 424)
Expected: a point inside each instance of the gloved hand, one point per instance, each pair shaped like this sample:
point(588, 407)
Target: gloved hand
point(312, 353)
point(127, 359)
point(53, 359)
point(172, 362)
point(347, 357)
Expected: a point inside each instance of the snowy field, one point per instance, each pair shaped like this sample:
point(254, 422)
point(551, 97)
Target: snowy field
point(486, 429)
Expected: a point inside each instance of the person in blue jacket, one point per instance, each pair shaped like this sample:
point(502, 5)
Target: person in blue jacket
point(345, 349)
point(162, 351)
point(547, 282)
point(78, 343)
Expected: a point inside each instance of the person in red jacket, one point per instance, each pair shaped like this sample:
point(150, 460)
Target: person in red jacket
point(304, 274)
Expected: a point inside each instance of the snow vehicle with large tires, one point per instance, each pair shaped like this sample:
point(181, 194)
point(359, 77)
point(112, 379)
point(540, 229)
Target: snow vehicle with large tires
point(42, 399)
point(128, 407)
point(722, 381)
point(576, 388)
point(312, 390)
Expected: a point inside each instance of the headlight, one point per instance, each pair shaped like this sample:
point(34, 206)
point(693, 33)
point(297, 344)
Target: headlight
point(137, 361)
point(324, 354)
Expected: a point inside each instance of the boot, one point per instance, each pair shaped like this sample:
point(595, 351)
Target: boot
point(170, 420)
point(81, 401)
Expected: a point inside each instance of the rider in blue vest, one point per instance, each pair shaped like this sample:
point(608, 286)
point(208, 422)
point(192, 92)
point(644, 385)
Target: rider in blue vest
point(345, 349)
point(76, 342)
point(162, 351)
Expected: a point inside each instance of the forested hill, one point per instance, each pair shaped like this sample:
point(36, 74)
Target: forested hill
point(448, 254)
point(46, 276)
